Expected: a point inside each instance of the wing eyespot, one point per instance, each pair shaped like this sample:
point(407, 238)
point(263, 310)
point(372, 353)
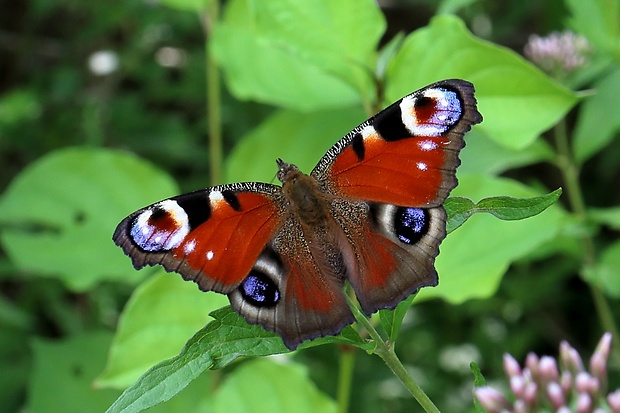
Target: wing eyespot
point(411, 224)
point(259, 290)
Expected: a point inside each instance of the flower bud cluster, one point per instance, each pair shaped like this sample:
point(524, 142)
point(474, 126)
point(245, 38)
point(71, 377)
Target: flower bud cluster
point(542, 385)
point(558, 53)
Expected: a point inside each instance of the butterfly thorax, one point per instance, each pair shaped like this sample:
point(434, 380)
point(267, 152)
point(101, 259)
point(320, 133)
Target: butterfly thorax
point(305, 199)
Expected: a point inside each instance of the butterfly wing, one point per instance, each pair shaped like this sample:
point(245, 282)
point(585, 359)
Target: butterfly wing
point(389, 177)
point(241, 240)
point(307, 299)
point(212, 236)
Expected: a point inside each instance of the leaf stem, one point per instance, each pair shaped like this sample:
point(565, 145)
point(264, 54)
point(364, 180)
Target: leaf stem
point(570, 173)
point(385, 350)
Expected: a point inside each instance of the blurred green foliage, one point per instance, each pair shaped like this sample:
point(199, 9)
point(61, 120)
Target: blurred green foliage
point(102, 111)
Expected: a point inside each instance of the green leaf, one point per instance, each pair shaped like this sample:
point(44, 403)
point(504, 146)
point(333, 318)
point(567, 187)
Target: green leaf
point(473, 259)
point(215, 346)
point(299, 54)
point(63, 372)
point(595, 128)
point(485, 156)
point(598, 20)
point(503, 207)
point(605, 272)
point(479, 381)
point(58, 215)
point(295, 137)
point(281, 388)
point(391, 320)
point(606, 216)
point(160, 316)
point(508, 88)
point(220, 342)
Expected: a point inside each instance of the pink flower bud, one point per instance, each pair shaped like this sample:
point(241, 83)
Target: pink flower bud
point(613, 400)
point(511, 367)
point(556, 395)
point(566, 382)
point(584, 383)
point(519, 406)
point(604, 345)
point(517, 385)
point(548, 369)
point(570, 358)
point(530, 392)
point(598, 361)
point(584, 403)
point(531, 362)
point(491, 400)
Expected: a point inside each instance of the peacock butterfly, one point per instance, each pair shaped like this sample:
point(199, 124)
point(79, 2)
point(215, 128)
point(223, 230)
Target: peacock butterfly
point(370, 214)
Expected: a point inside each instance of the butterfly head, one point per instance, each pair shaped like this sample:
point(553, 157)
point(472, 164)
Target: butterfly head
point(286, 171)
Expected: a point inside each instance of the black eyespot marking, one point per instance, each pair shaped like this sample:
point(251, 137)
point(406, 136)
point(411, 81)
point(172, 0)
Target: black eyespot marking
point(411, 224)
point(197, 208)
point(389, 124)
point(231, 198)
point(422, 101)
point(157, 213)
point(357, 144)
point(258, 290)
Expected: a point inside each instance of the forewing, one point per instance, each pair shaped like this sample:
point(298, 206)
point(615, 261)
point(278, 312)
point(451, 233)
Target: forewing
point(212, 236)
point(407, 154)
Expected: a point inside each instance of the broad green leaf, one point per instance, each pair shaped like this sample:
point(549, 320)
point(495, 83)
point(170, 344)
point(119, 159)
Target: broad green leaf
point(15, 362)
point(161, 315)
point(63, 372)
point(595, 127)
point(483, 155)
point(299, 54)
point(473, 259)
point(518, 101)
point(606, 272)
point(221, 341)
point(295, 137)
point(348, 336)
point(262, 386)
point(58, 215)
point(503, 207)
point(606, 216)
point(598, 20)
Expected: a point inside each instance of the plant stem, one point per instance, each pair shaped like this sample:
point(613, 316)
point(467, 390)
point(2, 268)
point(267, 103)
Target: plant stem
point(385, 350)
point(345, 377)
point(214, 112)
point(570, 173)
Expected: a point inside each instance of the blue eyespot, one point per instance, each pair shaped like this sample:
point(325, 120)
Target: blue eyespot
point(411, 224)
point(259, 290)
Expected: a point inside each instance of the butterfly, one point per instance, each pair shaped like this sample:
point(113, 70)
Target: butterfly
point(369, 214)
